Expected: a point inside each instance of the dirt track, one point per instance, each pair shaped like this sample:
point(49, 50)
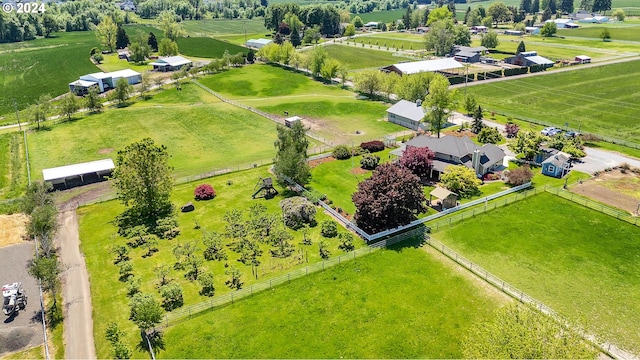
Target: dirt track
point(78, 326)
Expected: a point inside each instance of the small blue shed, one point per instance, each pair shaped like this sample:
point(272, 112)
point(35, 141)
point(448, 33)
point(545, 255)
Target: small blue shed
point(556, 166)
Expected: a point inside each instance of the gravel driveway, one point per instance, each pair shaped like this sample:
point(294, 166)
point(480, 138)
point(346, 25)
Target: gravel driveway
point(23, 330)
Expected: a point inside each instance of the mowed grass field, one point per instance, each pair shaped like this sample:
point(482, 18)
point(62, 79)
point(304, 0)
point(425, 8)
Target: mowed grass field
point(628, 33)
point(200, 133)
point(329, 111)
point(12, 168)
point(385, 16)
point(602, 100)
point(580, 262)
point(357, 57)
point(221, 27)
point(233, 191)
point(43, 66)
point(401, 41)
point(403, 302)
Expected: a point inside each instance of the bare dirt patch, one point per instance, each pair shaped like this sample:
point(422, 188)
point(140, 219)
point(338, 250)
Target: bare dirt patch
point(462, 133)
point(359, 171)
point(13, 229)
point(613, 188)
point(105, 151)
point(314, 163)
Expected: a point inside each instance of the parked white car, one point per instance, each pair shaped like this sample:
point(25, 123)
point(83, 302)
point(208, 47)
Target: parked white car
point(551, 131)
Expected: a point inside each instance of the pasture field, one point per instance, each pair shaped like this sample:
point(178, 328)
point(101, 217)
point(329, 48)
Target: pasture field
point(109, 295)
point(403, 302)
point(43, 66)
point(356, 57)
point(578, 261)
point(112, 63)
point(196, 131)
point(600, 100)
point(329, 111)
point(628, 33)
point(392, 41)
point(385, 16)
point(218, 27)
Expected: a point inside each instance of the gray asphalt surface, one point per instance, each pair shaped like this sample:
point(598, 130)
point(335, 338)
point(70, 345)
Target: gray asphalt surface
point(23, 330)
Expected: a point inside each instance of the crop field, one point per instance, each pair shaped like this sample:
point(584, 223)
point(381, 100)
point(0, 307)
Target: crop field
point(386, 16)
point(201, 135)
point(601, 100)
point(580, 262)
point(217, 27)
point(207, 47)
point(356, 57)
point(329, 111)
point(628, 33)
point(43, 66)
point(233, 191)
point(402, 302)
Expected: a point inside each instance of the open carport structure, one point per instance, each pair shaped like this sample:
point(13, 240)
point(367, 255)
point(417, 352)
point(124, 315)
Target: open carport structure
point(69, 176)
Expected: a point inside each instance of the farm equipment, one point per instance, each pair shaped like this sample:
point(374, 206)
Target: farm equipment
point(14, 298)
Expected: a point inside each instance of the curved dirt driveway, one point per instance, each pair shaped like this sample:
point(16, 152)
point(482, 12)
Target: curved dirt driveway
point(78, 321)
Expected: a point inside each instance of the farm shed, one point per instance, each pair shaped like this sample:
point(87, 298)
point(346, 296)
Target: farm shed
point(68, 176)
point(556, 166)
point(452, 150)
point(447, 198)
point(259, 43)
point(480, 29)
point(583, 59)
point(564, 23)
point(171, 63)
point(288, 122)
point(529, 58)
point(532, 30)
point(513, 32)
point(104, 81)
point(406, 113)
point(466, 54)
point(415, 67)
point(371, 25)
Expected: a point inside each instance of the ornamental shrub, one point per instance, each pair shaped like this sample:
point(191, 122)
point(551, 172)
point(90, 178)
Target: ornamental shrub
point(204, 192)
point(329, 229)
point(369, 162)
point(297, 211)
point(373, 146)
point(519, 175)
point(341, 152)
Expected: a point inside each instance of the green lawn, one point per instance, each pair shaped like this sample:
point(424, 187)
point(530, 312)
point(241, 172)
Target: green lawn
point(33, 353)
point(357, 57)
point(43, 66)
point(201, 135)
point(385, 16)
point(629, 33)
point(335, 113)
point(12, 169)
point(233, 192)
point(553, 49)
point(578, 261)
point(398, 303)
point(112, 63)
point(600, 100)
point(217, 27)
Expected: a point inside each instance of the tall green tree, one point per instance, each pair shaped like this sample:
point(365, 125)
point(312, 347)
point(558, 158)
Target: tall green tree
point(460, 180)
point(69, 105)
point(526, 5)
point(490, 40)
point(439, 103)
point(46, 270)
point(152, 41)
point(122, 90)
point(92, 100)
point(291, 154)
point(521, 47)
point(330, 69)
point(499, 12)
point(368, 81)
point(140, 49)
point(439, 14)
point(40, 111)
point(167, 47)
point(168, 24)
point(122, 39)
point(521, 332)
point(146, 311)
point(107, 33)
point(441, 37)
point(601, 5)
point(526, 143)
point(549, 29)
point(318, 57)
point(142, 179)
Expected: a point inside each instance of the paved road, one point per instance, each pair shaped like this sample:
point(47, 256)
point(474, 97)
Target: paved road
point(78, 321)
point(23, 330)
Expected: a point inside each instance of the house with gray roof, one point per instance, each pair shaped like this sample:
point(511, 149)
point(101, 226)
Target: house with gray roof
point(171, 63)
point(467, 54)
point(529, 58)
point(408, 114)
point(557, 165)
point(452, 150)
